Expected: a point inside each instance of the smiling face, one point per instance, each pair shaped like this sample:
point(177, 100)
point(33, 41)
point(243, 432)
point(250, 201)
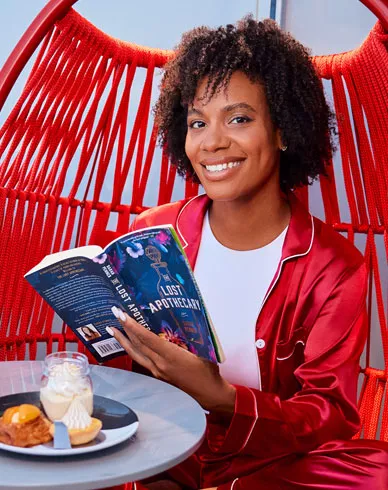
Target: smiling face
point(231, 141)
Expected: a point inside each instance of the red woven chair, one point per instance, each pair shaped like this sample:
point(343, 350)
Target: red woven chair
point(69, 136)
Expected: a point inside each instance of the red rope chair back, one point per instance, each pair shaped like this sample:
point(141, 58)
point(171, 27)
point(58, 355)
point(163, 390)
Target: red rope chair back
point(76, 154)
point(69, 159)
point(359, 82)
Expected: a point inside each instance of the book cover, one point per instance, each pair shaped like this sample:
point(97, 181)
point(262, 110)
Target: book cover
point(145, 273)
point(81, 290)
point(153, 266)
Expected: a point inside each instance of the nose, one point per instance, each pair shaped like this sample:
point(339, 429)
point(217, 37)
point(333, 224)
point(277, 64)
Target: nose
point(214, 138)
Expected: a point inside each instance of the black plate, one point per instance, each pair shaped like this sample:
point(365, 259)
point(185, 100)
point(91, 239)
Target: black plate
point(112, 413)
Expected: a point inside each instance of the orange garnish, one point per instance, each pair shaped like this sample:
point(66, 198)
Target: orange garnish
point(28, 412)
point(25, 412)
point(9, 413)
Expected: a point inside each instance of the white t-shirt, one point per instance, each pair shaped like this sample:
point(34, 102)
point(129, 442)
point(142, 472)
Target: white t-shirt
point(233, 284)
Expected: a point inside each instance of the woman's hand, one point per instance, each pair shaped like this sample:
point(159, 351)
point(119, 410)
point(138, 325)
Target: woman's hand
point(199, 378)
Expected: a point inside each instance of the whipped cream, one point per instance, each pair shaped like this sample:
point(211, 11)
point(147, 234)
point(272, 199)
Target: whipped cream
point(76, 416)
point(67, 380)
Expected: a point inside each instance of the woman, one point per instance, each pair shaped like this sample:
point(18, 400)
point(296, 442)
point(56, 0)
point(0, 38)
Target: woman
point(88, 333)
point(241, 110)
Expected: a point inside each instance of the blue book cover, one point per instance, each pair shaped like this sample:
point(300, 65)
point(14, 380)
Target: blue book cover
point(145, 273)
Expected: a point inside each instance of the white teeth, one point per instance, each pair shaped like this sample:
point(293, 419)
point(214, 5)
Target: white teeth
point(221, 166)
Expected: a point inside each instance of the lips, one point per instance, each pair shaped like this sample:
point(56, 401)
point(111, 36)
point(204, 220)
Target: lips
point(221, 169)
point(222, 166)
point(214, 165)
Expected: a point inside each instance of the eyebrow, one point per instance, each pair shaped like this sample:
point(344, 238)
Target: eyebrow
point(193, 111)
point(228, 108)
point(238, 105)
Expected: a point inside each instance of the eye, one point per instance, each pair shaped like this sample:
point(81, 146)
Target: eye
point(196, 124)
point(240, 120)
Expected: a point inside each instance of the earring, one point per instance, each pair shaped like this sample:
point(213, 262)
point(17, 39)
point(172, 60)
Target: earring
point(284, 148)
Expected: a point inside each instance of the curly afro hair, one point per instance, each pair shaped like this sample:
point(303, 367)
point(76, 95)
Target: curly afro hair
point(268, 55)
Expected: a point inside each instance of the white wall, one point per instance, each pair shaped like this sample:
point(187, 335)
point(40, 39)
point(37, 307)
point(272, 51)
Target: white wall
point(328, 26)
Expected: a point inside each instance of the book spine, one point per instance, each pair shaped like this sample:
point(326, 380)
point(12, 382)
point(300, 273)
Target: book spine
point(127, 301)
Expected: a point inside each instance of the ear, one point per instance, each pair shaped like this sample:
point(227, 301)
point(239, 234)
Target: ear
point(279, 142)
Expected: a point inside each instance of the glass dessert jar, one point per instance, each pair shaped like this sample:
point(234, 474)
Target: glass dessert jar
point(65, 378)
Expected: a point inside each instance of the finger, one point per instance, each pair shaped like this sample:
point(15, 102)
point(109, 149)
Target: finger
point(163, 354)
point(139, 340)
point(137, 356)
point(141, 337)
point(155, 366)
point(136, 332)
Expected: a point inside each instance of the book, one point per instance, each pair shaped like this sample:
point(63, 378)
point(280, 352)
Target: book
point(145, 273)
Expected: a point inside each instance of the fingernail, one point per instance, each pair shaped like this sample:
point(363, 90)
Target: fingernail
point(110, 331)
point(119, 314)
point(115, 312)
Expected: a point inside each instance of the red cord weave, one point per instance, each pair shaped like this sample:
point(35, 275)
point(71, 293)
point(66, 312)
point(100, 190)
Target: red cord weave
point(360, 90)
point(78, 157)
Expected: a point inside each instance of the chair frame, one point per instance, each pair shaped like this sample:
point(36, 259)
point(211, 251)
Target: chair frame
point(56, 9)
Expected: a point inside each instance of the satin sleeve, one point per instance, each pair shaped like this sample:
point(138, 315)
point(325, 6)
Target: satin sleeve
point(324, 408)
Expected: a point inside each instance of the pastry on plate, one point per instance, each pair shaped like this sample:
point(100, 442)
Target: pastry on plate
point(81, 426)
point(24, 426)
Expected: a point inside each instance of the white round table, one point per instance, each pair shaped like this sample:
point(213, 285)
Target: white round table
point(171, 428)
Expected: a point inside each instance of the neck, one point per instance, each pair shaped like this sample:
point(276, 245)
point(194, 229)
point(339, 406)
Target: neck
point(249, 223)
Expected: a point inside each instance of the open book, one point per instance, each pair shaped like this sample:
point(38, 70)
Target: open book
point(145, 273)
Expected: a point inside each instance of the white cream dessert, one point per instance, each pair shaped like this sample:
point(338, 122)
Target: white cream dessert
point(81, 427)
point(76, 416)
point(65, 384)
